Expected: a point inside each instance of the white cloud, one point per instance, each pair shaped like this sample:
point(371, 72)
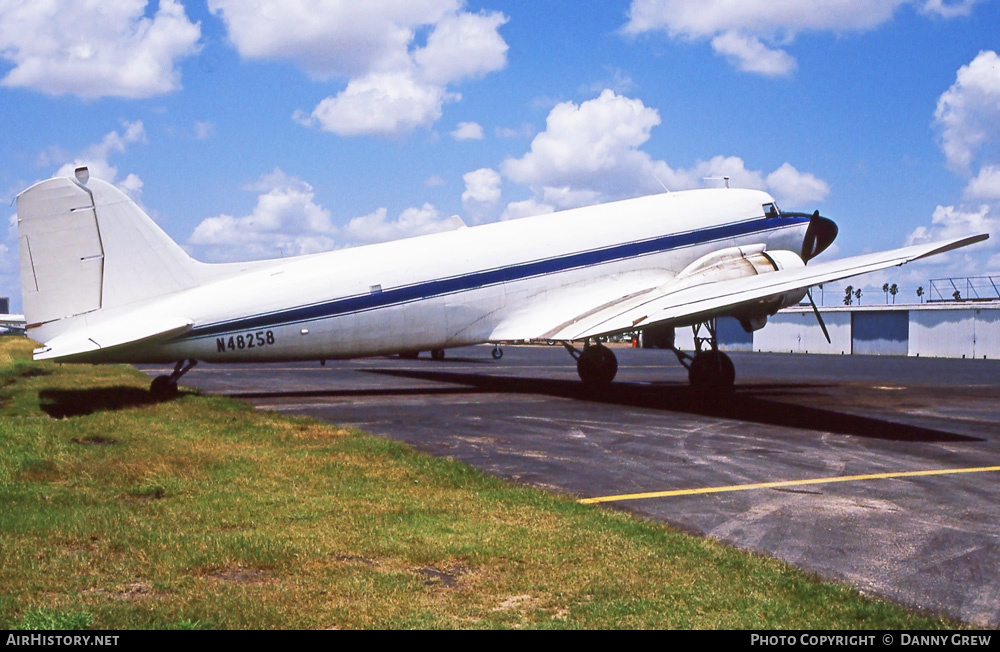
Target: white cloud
point(463, 45)
point(338, 38)
point(750, 55)
point(97, 158)
point(204, 130)
point(567, 197)
point(986, 185)
point(481, 185)
point(591, 152)
point(719, 167)
point(382, 103)
point(967, 116)
point(795, 189)
point(526, 208)
point(953, 222)
point(95, 48)
point(949, 9)
point(969, 111)
point(286, 221)
point(394, 84)
point(594, 145)
point(525, 131)
point(749, 31)
point(412, 222)
point(132, 185)
point(950, 222)
point(711, 17)
point(468, 131)
point(618, 81)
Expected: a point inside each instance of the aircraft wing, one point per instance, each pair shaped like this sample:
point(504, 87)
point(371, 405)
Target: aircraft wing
point(690, 304)
point(115, 333)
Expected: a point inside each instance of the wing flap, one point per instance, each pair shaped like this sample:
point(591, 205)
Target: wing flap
point(552, 311)
point(699, 302)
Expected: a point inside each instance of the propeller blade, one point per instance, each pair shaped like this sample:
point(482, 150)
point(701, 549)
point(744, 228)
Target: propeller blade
point(819, 317)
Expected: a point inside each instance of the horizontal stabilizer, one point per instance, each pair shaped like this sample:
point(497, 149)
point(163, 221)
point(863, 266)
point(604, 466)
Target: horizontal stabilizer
point(81, 345)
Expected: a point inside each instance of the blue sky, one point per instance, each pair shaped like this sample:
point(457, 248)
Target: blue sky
point(254, 130)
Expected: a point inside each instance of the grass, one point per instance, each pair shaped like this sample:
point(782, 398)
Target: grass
point(119, 512)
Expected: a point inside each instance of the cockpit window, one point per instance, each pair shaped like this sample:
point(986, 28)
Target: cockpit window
point(771, 210)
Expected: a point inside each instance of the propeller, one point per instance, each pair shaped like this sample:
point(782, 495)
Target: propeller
point(820, 234)
point(819, 317)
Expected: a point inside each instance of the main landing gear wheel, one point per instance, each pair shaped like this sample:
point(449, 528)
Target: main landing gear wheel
point(437, 354)
point(597, 365)
point(712, 371)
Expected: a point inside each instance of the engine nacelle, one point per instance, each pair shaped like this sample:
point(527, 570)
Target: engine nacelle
point(739, 262)
point(783, 259)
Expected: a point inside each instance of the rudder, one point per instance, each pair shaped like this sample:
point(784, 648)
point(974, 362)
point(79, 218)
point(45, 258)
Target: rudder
point(85, 246)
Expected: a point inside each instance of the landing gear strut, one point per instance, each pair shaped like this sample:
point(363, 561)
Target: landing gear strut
point(166, 386)
point(709, 370)
point(596, 363)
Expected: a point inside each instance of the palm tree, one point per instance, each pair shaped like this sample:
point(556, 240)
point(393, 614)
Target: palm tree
point(920, 293)
point(893, 290)
point(848, 292)
point(885, 290)
point(857, 294)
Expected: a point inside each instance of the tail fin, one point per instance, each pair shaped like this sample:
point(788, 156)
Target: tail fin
point(86, 246)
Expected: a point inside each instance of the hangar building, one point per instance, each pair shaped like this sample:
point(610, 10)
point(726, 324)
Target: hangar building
point(937, 330)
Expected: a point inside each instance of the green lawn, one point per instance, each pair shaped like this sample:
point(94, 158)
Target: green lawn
point(120, 512)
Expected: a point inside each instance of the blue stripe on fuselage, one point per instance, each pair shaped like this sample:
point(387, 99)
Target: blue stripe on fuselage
point(486, 278)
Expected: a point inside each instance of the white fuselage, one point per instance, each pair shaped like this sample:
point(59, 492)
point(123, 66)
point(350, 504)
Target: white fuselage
point(462, 287)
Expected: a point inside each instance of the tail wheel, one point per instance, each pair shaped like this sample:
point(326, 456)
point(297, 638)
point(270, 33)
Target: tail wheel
point(163, 387)
point(712, 371)
point(597, 365)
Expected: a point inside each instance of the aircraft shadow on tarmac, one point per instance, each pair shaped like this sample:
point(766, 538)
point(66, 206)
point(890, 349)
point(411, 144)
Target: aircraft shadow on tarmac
point(749, 403)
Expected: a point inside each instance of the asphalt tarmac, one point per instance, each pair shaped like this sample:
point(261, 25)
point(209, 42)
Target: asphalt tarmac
point(880, 472)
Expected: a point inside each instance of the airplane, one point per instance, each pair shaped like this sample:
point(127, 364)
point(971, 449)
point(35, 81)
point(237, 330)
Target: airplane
point(102, 283)
point(11, 324)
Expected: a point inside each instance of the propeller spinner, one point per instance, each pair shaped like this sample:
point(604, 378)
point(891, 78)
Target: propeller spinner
point(819, 235)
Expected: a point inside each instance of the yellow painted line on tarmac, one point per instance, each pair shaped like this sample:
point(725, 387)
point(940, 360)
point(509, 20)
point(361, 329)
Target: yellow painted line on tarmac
point(783, 483)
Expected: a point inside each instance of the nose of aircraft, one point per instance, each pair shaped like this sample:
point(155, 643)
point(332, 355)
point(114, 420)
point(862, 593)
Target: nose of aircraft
point(820, 234)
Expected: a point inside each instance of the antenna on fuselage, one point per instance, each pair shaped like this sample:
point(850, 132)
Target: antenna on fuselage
point(661, 183)
point(726, 179)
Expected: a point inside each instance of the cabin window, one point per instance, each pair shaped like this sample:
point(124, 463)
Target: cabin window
point(771, 210)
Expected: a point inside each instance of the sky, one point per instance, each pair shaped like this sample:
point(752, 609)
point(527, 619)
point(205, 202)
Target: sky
point(272, 128)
